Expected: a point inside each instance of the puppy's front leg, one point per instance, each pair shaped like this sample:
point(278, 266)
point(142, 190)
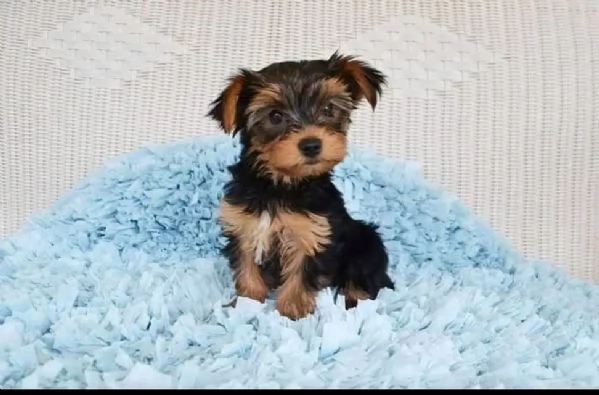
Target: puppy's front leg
point(247, 275)
point(302, 238)
point(239, 228)
point(248, 278)
point(294, 299)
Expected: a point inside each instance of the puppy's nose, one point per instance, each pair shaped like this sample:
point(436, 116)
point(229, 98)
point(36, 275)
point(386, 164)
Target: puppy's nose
point(310, 146)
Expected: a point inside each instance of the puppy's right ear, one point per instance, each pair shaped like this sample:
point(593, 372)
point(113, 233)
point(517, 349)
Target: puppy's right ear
point(225, 109)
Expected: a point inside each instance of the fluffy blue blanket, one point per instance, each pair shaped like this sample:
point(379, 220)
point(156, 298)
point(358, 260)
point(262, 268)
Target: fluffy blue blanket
point(120, 285)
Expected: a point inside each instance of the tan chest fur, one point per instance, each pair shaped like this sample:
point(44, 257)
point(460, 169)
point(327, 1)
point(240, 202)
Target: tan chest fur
point(298, 234)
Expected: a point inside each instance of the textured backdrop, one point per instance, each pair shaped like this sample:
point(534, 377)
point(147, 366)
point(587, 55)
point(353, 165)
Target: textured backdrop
point(497, 99)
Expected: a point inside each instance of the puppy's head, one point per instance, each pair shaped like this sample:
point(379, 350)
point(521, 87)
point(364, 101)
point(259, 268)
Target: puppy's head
point(293, 117)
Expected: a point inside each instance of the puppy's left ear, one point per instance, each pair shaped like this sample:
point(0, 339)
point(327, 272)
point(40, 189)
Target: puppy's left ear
point(226, 108)
point(363, 80)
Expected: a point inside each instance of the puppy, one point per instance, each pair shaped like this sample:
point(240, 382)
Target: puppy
point(286, 225)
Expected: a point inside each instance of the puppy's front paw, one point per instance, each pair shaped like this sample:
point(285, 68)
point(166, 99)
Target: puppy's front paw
point(352, 295)
point(252, 287)
point(296, 306)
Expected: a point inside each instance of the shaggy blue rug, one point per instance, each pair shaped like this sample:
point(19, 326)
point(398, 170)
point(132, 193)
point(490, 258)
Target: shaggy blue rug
point(120, 285)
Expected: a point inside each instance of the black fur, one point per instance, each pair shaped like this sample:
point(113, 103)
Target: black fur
point(356, 254)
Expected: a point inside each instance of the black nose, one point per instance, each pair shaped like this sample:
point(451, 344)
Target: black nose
point(310, 147)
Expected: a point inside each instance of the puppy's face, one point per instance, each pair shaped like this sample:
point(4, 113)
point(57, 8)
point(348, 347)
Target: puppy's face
point(293, 116)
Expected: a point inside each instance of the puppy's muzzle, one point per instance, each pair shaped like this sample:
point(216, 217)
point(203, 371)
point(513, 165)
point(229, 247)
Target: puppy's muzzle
point(310, 147)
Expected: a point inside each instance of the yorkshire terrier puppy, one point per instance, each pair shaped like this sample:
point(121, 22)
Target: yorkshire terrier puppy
point(286, 225)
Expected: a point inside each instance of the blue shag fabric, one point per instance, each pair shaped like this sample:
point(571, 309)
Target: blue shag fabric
point(120, 285)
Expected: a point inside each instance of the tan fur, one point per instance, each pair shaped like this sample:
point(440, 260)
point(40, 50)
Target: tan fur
point(299, 236)
point(230, 97)
point(334, 91)
point(353, 294)
point(286, 163)
point(333, 87)
point(265, 97)
point(303, 236)
point(248, 279)
point(294, 301)
point(355, 70)
point(308, 233)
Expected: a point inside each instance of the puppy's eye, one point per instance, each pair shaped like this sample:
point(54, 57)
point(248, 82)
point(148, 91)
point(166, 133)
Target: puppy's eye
point(328, 111)
point(276, 117)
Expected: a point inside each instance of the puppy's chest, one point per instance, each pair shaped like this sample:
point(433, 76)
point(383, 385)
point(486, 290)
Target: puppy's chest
point(263, 240)
point(281, 233)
